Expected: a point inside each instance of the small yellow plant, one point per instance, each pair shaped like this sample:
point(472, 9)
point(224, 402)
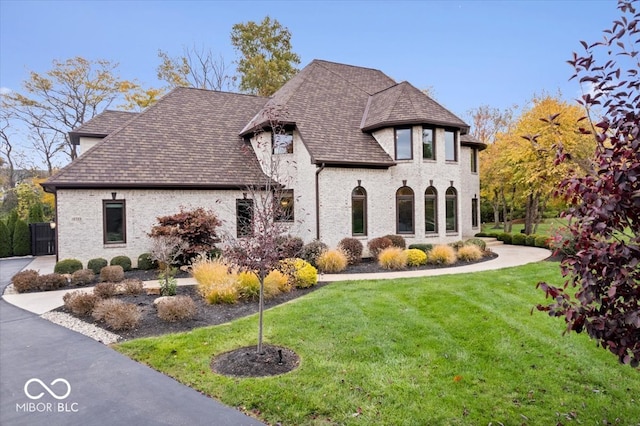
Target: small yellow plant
point(393, 258)
point(442, 254)
point(332, 261)
point(248, 285)
point(276, 280)
point(217, 281)
point(470, 253)
point(301, 273)
point(416, 257)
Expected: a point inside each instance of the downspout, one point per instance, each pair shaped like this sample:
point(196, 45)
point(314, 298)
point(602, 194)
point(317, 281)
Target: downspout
point(318, 171)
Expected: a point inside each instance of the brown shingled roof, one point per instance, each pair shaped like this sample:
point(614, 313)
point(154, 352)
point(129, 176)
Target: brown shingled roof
point(102, 124)
point(188, 139)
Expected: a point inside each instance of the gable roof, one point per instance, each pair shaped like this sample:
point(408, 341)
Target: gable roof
point(101, 125)
point(189, 138)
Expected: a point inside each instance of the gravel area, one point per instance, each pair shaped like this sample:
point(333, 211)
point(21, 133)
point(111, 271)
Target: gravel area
point(80, 326)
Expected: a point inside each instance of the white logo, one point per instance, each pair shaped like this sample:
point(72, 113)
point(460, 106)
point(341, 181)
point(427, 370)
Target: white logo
point(52, 393)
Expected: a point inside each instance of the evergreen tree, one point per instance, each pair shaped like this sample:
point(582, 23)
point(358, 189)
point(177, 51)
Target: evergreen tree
point(21, 239)
point(5, 240)
point(36, 213)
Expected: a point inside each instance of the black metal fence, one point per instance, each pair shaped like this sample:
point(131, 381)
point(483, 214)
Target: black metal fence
point(43, 239)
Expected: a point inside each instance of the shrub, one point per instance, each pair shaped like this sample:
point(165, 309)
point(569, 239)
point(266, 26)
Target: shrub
point(80, 302)
point(67, 266)
point(505, 237)
point(105, 290)
point(456, 246)
point(123, 261)
point(50, 282)
point(481, 234)
point(146, 263)
point(311, 251)
point(392, 258)
point(352, 248)
point(168, 282)
point(442, 254)
point(530, 240)
point(82, 277)
point(248, 285)
point(177, 308)
point(481, 244)
point(376, 245)
point(26, 280)
point(5, 240)
point(22, 239)
point(288, 246)
point(563, 242)
point(300, 272)
point(113, 274)
point(118, 315)
point(470, 253)
point(426, 248)
point(397, 241)
point(217, 281)
point(132, 286)
point(36, 213)
point(97, 264)
point(278, 281)
point(416, 257)
point(542, 241)
point(332, 261)
point(518, 239)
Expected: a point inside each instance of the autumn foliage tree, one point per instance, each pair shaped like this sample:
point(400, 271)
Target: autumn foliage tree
point(605, 204)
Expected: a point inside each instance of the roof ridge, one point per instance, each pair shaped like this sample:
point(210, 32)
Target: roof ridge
point(320, 63)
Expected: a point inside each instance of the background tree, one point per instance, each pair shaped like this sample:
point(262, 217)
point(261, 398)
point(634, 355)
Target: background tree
point(198, 68)
point(605, 213)
point(266, 57)
point(66, 96)
point(21, 239)
point(5, 240)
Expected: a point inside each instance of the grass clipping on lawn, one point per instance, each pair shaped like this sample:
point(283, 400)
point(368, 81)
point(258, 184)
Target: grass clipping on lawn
point(456, 349)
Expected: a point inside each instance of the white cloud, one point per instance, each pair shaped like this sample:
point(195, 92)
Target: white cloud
point(5, 90)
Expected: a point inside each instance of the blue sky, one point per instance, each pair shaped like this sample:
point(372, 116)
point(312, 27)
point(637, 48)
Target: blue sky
point(471, 53)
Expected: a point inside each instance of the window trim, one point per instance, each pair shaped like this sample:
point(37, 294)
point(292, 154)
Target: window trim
point(279, 215)
point(434, 198)
point(454, 197)
point(239, 227)
point(363, 198)
point(395, 142)
point(289, 146)
point(433, 143)
point(411, 198)
point(455, 145)
point(105, 240)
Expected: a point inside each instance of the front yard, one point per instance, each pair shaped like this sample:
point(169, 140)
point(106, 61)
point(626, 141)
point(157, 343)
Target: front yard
point(449, 350)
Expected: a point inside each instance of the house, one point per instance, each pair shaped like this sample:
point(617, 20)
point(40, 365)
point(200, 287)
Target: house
point(365, 156)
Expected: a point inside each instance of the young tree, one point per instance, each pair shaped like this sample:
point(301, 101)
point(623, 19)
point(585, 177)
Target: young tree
point(197, 68)
point(605, 213)
point(167, 250)
point(266, 59)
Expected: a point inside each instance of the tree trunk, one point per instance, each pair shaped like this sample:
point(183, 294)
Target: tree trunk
point(496, 209)
point(260, 312)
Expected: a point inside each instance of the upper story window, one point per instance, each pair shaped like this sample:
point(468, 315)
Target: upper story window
point(403, 144)
point(284, 206)
point(114, 221)
point(359, 211)
point(450, 145)
point(474, 160)
point(282, 142)
point(404, 211)
point(428, 146)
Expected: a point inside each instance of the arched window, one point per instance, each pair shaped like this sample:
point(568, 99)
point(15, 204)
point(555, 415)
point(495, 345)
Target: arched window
point(431, 210)
point(451, 202)
point(404, 211)
point(359, 211)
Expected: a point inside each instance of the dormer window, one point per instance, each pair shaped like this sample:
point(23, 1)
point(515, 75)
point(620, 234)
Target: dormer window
point(403, 144)
point(282, 142)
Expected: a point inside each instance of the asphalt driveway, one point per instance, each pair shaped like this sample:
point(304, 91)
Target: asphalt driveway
point(50, 375)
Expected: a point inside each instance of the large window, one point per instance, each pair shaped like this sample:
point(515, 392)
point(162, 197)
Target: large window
point(284, 206)
point(244, 218)
point(451, 203)
point(428, 147)
point(403, 144)
point(282, 142)
point(474, 212)
point(114, 221)
point(450, 146)
point(359, 211)
point(431, 210)
point(404, 211)
point(474, 160)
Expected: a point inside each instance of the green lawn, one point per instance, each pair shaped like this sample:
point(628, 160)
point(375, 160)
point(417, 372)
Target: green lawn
point(448, 350)
point(545, 228)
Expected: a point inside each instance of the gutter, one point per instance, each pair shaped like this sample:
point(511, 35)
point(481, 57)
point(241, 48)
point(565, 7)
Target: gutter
point(318, 171)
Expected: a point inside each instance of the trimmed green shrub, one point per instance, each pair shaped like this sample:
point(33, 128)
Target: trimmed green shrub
point(177, 308)
point(416, 257)
point(21, 239)
point(26, 280)
point(311, 251)
point(424, 247)
point(288, 246)
point(51, 282)
point(82, 277)
point(481, 244)
point(530, 240)
point(518, 239)
point(352, 247)
point(5, 240)
point(397, 241)
point(393, 258)
point(118, 315)
point(481, 234)
point(67, 266)
point(80, 302)
point(457, 245)
point(97, 264)
point(542, 241)
point(146, 263)
point(332, 261)
point(123, 261)
point(505, 237)
point(113, 274)
point(376, 245)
